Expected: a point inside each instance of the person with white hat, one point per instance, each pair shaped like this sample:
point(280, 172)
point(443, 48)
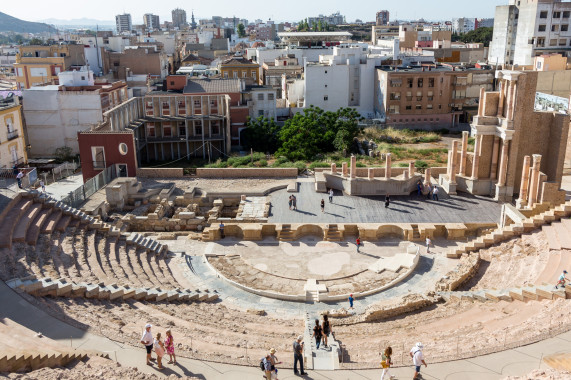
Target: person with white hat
point(275, 361)
point(147, 340)
point(417, 358)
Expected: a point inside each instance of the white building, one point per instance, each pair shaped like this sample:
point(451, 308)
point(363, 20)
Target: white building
point(123, 23)
point(262, 102)
point(463, 25)
point(524, 29)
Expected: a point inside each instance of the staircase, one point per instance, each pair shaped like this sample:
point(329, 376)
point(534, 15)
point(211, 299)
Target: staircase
point(332, 233)
point(286, 233)
point(523, 294)
point(322, 359)
point(415, 232)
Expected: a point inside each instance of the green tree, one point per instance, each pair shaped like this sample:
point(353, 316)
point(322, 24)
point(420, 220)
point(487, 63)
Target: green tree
point(262, 135)
point(480, 35)
point(241, 30)
point(320, 26)
point(36, 41)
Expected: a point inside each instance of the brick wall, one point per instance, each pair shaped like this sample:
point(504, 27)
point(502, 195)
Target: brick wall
point(160, 172)
point(246, 173)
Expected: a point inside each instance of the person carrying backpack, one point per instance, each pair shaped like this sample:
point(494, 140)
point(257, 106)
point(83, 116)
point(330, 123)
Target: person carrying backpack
point(326, 329)
point(317, 333)
point(266, 366)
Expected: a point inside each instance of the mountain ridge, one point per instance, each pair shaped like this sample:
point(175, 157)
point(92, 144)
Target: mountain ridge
point(12, 24)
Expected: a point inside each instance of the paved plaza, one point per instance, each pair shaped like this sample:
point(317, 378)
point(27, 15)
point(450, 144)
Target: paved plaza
point(461, 208)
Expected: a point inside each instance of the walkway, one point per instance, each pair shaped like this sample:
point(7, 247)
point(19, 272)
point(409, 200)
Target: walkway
point(490, 367)
point(61, 188)
point(462, 208)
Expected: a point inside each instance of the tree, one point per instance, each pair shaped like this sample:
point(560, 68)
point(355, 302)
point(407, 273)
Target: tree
point(480, 35)
point(320, 26)
point(262, 135)
point(241, 30)
point(36, 41)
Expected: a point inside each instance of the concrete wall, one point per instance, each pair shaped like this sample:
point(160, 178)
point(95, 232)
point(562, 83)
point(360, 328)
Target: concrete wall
point(556, 83)
point(160, 172)
point(246, 173)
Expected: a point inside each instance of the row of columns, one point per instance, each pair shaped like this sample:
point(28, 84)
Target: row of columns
point(371, 173)
point(508, 90)
point(529, 188)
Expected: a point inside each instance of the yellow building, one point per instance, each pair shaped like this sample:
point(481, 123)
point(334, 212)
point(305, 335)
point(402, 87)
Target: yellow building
point(239, 67)
point(36, 65)
point(12, 142)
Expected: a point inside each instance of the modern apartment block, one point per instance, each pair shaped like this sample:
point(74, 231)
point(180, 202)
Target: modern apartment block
point(179, 18)
point(524, 29)
point(151, 21)
point(437, 95)
point(12, 142)
point(123, 23)
point(382, 18)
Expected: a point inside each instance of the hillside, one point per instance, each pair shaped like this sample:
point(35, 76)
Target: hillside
point(13, 24)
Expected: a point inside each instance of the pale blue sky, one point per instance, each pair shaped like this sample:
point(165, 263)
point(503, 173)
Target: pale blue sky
point(292, 10)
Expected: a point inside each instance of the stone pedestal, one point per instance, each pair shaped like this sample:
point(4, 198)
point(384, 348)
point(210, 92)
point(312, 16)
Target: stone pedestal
point(427, 175)
point(405, 173)
point(333, 168)
point(371, 173)
point(388, 167)
point(523, 189)
point(344, 170)
point(411, 168)
point(353, 167)
point(463, 153)
point(454, 163)
point(503, 163)
point(533, 187)
point(495, 149)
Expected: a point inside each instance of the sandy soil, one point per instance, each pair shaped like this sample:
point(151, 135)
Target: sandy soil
point(543, 374)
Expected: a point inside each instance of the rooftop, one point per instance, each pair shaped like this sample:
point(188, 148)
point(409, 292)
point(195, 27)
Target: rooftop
point(314, 34)
point(208, 85)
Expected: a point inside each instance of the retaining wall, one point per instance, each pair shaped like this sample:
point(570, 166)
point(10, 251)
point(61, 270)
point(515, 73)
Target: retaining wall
point(246, 172)
point(160, 172)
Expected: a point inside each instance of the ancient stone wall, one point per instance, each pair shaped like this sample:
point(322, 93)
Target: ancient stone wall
point(160, 172)
point(246, 172)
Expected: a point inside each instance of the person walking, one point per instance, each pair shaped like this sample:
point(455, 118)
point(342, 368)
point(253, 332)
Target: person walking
point(147, 341)
point(294, 201)
point(43, 186)
point(298, 356)
point(275, 362)
point(19, 178)
point(317, 333)
point(267, 366)
point(169, 346)
point(428, 190)
point(322, 205)
point(561, 280)
point(330, 195)
point(419, 188)
point(326, 329)
point(160, 350)
point(387, 200)
point(221, 226)
point(358, 243)
point(417, 358)
point(435, 193)
point(351, 300)
point(428, 243)
point(386, 362)
point(290, 201)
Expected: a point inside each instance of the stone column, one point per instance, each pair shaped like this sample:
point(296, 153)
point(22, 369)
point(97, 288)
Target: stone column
point(353, 167)
point(481, 102)
point(344, 169)
point(388, 167)
point(534, 180)
point(334, 168)
point(371, 173)
point(427, 175)
point(494, 168)
point(523, 188)
point(502, 98)
point(511, 102)
point(411, 168)
point(510, 116)
point(476, 159)
point(454, 163)
point(405, 173)
point(504, 163)
point(464, 152)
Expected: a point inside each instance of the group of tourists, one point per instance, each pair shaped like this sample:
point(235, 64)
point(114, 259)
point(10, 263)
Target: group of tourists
point(292, 202)
point(159, 346)
point(431, 190)
point(321, 332)
point(415, 353)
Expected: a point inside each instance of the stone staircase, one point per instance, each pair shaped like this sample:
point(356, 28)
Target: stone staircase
point(502, 234)
point(332, 233)
point(286, 233)
point(415, 232)
point(323, 358)
point(24, 350)
point(525, 293)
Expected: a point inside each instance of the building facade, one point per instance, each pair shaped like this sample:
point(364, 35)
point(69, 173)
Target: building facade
point(382, 18)
point(151, 21)
point(123, 23)
point(12, 143)
point(239, 67)
point(179, 18)
point(524, 29)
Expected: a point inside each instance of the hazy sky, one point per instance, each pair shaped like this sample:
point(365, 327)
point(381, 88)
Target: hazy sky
point(292, 10)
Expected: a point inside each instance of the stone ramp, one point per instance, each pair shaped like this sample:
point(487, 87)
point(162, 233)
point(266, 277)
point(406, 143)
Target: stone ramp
point(323, 358)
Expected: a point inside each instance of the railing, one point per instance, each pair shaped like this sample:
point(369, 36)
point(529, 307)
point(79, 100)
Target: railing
point(79, 195)
point(12, 135)
point(98, 164)
point(17, 162)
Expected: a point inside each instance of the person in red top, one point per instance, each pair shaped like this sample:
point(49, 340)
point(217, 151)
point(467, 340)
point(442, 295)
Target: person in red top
point(358, 242)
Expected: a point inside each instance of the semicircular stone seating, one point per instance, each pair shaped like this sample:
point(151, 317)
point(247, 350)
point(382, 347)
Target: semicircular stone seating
point(49, 248)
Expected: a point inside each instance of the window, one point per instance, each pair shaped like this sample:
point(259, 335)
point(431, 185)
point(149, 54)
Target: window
point(151, 130)
point(543, 14)
point(419, 107)
point(167, 131)
point(82, 77)
point(325, 71)
point(260, 96)
point(563, 42)
point(215, 128)
point(165, 106)
point(419, 82)
point(395, 95)
point(394, 109)
point(564, 27)
point(409, 96)
point(213, 103)
point(409, 82)
point(565, 14)
point(235, 74)
point(181, 129)
point(197, 103)
point(408, 107)
point(555, 28)
point(430, 82)
point(181, 107)
point(325, 86)
point(440, 106)
point(270, 96)
point(244, 74)
point(396, 83)
point(123, 149)
point(98, 156)
point(540, 41)
point(254, 74)
point(198, 128)
point(556, 14)
point(541, 28)
point(172, 82)
point(260, 112)
point(326, 98)
point(553, 42)
point(429, 106)
point(225, 74)
point(418, 96)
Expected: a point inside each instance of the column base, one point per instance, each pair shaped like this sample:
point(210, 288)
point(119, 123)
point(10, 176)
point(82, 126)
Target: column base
point(446, 184)
point(520, 205)
point(504, 193)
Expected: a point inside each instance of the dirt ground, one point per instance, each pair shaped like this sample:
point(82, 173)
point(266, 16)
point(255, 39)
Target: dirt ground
point(543, 374)
point(231, 185)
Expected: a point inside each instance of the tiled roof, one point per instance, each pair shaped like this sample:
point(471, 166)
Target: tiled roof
point(195, 86)
point(236, 60)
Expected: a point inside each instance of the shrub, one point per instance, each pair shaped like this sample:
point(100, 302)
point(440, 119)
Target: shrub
point(262, 163)
point(299, 165)
point(402, 165)
point(420, 164)
point(361, 165)
point(319, 164)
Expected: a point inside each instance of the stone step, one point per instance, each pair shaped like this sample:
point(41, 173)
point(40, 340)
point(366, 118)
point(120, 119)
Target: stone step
point(498, 295)
point(552, 236)
point(63, 223)
point(563, 233)
point(24, 223)
point(50, 226)
point(37, 225)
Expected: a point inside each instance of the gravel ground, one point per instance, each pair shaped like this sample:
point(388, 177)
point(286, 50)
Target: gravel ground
point(543, 374)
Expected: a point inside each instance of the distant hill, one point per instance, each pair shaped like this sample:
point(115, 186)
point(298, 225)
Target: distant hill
point(13, 24)
point(78, 21)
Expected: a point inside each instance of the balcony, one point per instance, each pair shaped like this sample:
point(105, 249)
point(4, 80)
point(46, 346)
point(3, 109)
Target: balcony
point(12, 135)
point(99, 165)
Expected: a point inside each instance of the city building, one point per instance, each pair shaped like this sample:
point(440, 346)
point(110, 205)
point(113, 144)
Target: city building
point(314, 39)
point(463, 24)
point(382, 18)
point(123, 23)
point(432, 95)
point(151, 21)
point(333, 19)
point(239, 67)
point(38, 65)
point(484, 23)
point(13, 149)
point(524, 29)
point(55, 113)
point(274, 71)
point(179, 18)
point(149, 61)
point(261, 101)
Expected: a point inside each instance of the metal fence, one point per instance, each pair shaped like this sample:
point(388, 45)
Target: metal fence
point(59, 172)
point(78, 196)
point(8, 178)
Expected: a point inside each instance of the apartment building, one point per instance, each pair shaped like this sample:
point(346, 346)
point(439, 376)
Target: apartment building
point(382, 18)
point(274, 71)
point(12, 143)
point(179, 18)
point(151, 21)
point(148, 60)
point(436, 95)
point(123, 23)
point(38, 65)
point(524, 29)
point(239, 67)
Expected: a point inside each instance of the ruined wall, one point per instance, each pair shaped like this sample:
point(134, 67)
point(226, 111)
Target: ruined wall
point(160, 172)
point(246, 172)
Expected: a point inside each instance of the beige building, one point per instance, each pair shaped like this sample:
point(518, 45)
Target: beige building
point(550, 62)
point(12, 142)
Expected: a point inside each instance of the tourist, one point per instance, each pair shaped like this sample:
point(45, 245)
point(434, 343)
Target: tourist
point(221, 226)
point(169, 345)
point(275, 361)
point(147, 340)
point(428, 190)
point(267, 362)
point(298, 355)
point(419, 188)
point(19, 178)
point(326, 329)
point(386, 362)
point(358, 243)
point(294, 202)
point(428, 243)
point(330, 195)
point(290, 201)
point(351, 299)
point(387, 200)
point(317, 333)
point(322, 205)
point(435, 193)
point(43, 186)
point(417, 358)
point(561, 280)
point(159, 350)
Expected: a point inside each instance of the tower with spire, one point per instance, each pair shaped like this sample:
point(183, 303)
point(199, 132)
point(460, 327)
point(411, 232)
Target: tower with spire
point(192, 21)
